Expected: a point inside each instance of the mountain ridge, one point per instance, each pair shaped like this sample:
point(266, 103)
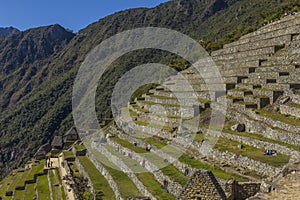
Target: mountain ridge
point(8, 31)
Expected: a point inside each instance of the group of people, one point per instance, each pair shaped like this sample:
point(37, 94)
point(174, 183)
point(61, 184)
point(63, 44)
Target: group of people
point(49, 163)
point(270, 152)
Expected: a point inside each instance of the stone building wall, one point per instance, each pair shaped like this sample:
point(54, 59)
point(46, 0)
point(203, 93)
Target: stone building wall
point(241, 191)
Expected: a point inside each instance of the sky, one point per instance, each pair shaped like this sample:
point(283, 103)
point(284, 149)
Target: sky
point(72, 14)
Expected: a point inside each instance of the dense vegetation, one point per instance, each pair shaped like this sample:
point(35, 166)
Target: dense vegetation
point(38, 66)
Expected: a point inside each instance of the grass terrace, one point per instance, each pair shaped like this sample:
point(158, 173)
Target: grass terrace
point(154, 187)
point(99, 182)
point(19, 194)
point(68, 154)
point(225, 144)
point(143, 123)
point(257, 136)
point(126, 186)
point(58, 192)
point(79, 147)
point(189, 160)
point(43, 187)
point(137, 107)
point(29, 191)
point(169, 170)
point(4, 184)
point(162, 104)
point(279, 117)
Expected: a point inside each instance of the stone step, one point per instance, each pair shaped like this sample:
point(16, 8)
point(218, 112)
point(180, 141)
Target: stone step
point(254, 81)
point(173, 101)
point(276, 86)
point(264, 75)
point(284, 68)
point(251, 62)
point(244, 51)
point(272, 94)
point(260, 42)
point(239, 92)
point(291, 78)
point(193, 79)
point(186, 94)
point(167, 109)
point(235, 72)
point(291, 108)
point(269, 63)
point(261, 101)
point(245, 105)
point(209, 87)
point(247, 86)
point(230, 99)
point(296, 98)
point(280, 27)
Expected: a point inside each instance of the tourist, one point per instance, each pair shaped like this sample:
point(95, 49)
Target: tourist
point(165, 184)
point(186, 172)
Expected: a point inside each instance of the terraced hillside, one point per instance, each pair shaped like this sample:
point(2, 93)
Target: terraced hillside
point(259, 100)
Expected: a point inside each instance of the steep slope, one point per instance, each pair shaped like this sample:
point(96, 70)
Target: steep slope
point(39, 106)
point(22, 56)
point(8, 31)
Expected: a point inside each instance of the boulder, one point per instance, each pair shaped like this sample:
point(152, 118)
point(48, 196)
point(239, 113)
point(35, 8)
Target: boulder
point(266, 186)
point(238, 127)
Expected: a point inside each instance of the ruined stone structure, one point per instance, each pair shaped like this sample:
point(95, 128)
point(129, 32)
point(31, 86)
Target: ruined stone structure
point(202, 185)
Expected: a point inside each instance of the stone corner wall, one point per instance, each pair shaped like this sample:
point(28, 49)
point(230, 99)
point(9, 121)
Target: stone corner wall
point(236, 190)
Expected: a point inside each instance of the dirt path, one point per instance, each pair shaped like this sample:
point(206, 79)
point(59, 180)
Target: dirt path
point(288, 189)
point(69, 192)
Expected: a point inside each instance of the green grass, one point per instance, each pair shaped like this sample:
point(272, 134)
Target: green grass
point(296, 105)
point(132, 113)
point(143, 123)
point(162, 97)
point(19, 195)
point(126, 186)
point(216, 171)
point(202, 100)
point(172, 172)
point(43, 187)
point(137, 107)
point(279, 117)
point(57, 191)
point(162, 104)
point(198, 137)
point(129, 145)
point(258, 137)
point(68, 154)
point(225, 144)
point(158, 142)
point(98, 180)
point(29, 191)
point(24, 177)
point(80, 147)
point(154, 187)
point(5, 184)
point(17, 176)
point(169, 170)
